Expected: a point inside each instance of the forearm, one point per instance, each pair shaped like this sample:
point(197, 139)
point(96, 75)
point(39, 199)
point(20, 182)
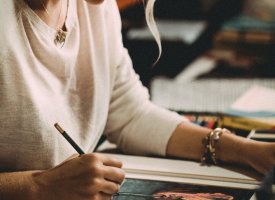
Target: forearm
point(186, 142)
point(17, 185)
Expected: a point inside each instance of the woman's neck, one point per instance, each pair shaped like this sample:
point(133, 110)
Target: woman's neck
point(52, 12)
point(38, 4)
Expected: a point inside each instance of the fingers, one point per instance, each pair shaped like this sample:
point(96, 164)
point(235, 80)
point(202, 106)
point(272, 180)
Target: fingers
point(103, 196)
point(114, 174)
point(106, 172)
point(113, 177)
point(109, 187)
point(111, 161)
point(100, 172)
point(102, 158)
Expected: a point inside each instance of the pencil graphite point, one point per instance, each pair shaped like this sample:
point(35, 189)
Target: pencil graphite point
point(59, 128)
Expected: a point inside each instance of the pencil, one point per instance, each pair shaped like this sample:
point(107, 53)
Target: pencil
point(69, 139)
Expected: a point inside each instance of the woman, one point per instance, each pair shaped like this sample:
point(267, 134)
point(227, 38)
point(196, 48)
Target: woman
point(63, 61)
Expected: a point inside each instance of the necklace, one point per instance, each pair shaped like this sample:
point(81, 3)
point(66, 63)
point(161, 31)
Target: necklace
point(60, 35)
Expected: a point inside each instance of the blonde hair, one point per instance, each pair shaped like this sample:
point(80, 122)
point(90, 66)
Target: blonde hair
point(149, 14)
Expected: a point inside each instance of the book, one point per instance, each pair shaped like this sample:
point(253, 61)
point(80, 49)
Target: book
point(150, 177)
point(247, 123)
point(246, 29)
point(139, 189)
point(264, 9)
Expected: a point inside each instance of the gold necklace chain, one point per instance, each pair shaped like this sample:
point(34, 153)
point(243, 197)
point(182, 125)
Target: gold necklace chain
point(60, 36)
point(48, 13)
point(44, 7)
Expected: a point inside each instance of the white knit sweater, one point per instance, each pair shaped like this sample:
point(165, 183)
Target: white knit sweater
point(88, 86)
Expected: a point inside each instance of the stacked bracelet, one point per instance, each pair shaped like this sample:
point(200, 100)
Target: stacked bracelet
point(209, 142)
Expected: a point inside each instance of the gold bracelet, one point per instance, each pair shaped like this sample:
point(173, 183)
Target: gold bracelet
point(209, 157)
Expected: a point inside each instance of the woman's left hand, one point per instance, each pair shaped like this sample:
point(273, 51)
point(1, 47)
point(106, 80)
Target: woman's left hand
point(260, 155)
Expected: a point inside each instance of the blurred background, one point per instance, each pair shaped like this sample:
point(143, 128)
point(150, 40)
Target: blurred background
point(214, 51)
point(239, 34)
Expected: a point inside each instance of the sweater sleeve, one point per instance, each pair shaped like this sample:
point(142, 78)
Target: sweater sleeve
point(135, 124)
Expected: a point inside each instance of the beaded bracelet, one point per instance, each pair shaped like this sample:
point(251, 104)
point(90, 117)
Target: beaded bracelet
point(209, 157)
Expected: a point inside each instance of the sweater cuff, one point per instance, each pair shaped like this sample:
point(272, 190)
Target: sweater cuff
point(163, 130)
point(152, 138)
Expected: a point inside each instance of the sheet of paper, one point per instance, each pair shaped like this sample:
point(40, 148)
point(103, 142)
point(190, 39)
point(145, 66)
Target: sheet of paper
point(182, 171)
point(257, 98)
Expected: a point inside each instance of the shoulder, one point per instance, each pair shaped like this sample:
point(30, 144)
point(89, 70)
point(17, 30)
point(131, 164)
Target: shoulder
point(10, 15)
point(10, 12)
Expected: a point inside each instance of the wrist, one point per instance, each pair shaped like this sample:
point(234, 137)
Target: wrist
point(234, 149)
point(211, 143)
point(38, 185)
point(17, 185)
point(244, 151)
point(251, 152)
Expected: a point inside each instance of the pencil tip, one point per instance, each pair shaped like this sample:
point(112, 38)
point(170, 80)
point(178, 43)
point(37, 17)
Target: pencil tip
point(58, 128)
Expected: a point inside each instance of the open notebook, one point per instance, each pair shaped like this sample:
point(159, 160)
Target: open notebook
point(159, 178)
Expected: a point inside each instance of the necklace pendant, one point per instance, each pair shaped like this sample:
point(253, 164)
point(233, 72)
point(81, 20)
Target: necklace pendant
point(60, 37)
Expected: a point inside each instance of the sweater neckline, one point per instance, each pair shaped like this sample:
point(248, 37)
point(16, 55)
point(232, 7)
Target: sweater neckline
point(46, 30)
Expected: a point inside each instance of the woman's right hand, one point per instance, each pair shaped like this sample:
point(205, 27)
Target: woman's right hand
point(86, 177)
